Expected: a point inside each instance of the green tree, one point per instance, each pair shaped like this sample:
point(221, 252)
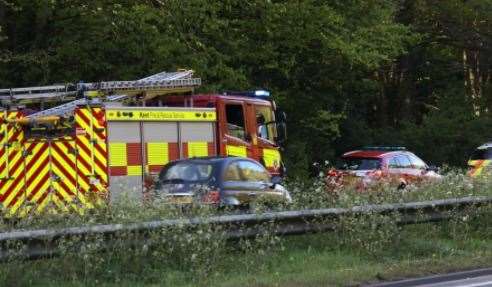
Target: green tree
point(348, 72)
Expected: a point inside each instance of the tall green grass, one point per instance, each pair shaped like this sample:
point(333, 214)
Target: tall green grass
point(202, 256)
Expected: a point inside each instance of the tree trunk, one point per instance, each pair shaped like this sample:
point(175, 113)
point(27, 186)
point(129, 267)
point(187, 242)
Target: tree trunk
point(381, 106)
point(473, 79)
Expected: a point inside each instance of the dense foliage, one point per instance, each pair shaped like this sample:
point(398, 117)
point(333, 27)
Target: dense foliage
point(348, 72)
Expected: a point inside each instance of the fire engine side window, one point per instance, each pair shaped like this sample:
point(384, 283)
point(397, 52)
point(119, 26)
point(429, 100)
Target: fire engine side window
point(235, 120)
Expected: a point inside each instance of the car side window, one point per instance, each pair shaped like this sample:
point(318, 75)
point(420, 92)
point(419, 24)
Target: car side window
point(417, 162)
point(232, 172)
point(393, 163)
point(404, 161)
point(253, 172)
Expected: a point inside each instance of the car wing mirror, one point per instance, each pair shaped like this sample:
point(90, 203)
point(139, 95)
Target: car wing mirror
point(432, 168)
point(281, 133)
point(275, 180)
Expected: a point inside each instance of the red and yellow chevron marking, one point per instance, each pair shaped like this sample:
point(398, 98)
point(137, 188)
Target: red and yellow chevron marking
point(64, 173)
point(477, 167)
point(3, 147)
point(38, 176)
point(11, 165)
point(51, 178)
point(53, 175)
point(91, 159)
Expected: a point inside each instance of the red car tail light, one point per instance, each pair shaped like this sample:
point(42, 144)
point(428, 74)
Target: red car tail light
point(211, 197)
point(332, 172)
point(149, 182)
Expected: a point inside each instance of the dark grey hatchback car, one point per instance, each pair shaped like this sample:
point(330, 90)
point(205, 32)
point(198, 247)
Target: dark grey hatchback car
point(221, 181)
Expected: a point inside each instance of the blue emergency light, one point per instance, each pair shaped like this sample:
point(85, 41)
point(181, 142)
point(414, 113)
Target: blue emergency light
point(260, 94)
point(385, 148)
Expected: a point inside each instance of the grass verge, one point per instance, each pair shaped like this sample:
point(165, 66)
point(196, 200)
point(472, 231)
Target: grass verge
point(315, 260)
point(362, 248)
point(328, 259)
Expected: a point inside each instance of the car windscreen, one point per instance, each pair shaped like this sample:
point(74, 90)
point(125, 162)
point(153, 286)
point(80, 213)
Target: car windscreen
point(357, 163)
point(481, 153)
point(187, 172)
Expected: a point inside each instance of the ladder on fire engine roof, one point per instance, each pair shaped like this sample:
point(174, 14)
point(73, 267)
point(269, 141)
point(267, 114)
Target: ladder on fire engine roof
point(118, 90)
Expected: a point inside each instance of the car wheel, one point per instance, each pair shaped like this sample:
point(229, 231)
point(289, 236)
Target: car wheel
point(252, 207)
point(402, 186)
point(186, 209)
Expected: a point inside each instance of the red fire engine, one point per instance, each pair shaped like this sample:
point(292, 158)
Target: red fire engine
point(108, 137)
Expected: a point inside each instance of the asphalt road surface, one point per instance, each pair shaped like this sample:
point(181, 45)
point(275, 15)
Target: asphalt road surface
point(473, 278)
point(481, 281)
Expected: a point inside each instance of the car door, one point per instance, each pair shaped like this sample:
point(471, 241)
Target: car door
point(395, 170)
point(406, 169)
point(245, 181)
point(419, 167)
point(236, 190)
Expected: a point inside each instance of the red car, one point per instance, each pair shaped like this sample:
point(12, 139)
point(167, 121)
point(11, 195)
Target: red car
point(370, 165)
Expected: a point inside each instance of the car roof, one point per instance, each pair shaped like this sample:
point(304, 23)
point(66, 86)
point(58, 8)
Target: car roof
point(212, 159)
point(372, 153)
point(485, 145)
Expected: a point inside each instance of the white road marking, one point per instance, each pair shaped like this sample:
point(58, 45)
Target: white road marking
point(476, 284)
point(481, 281)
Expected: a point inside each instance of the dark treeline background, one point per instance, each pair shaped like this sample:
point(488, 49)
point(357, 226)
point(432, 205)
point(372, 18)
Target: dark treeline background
point(347, 72)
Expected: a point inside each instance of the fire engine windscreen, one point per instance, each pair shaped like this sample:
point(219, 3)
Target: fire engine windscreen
point(481, 153)
point(358, 164)
point(265, 123)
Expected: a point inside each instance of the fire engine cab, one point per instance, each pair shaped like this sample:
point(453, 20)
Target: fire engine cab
point(248, 124)
point(96, 141)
